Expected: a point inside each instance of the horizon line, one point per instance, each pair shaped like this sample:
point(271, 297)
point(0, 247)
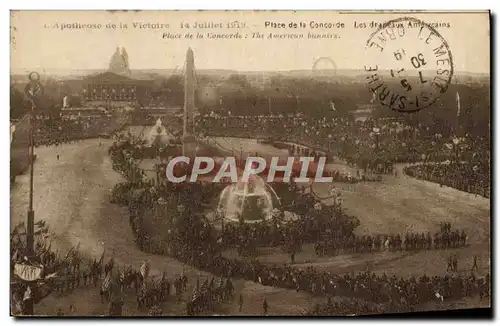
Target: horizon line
point(18, 70)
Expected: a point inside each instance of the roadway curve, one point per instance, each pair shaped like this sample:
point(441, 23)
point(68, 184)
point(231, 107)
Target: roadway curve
point(73, 195)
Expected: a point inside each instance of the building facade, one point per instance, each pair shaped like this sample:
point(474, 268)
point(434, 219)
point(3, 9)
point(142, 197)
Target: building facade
point(110, 90)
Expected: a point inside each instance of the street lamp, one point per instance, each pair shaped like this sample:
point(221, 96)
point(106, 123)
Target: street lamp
point(34, 90)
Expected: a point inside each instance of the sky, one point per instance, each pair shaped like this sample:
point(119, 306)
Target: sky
point(37, 41)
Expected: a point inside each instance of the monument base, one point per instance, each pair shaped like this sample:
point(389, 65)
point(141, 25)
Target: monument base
point(189, 145)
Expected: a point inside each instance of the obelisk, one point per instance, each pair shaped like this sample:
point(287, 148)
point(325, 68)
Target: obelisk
point(189, 140)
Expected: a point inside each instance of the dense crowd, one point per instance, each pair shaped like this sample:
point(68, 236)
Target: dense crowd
point(470, 177)
point(345, 137)
point(343, 308)
point(402, 294)
point(63, 274)
point(192, 238)
point(371, 144)
point(49, 130)
point(444, 239)
point(196, 245)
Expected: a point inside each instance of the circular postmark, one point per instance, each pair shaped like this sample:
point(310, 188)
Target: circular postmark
point(410, 65)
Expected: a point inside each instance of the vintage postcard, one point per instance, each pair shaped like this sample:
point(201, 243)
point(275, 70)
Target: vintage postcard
point(249, 163)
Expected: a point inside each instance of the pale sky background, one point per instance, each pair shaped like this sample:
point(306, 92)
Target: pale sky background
point(36, 47)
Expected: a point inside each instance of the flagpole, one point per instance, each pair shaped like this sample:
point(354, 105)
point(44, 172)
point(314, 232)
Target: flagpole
point(31, 214)
point(33, 90)
point(457, 121)
point(28, 305)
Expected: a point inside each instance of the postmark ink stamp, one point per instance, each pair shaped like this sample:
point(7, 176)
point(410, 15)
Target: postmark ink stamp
point(409, 65)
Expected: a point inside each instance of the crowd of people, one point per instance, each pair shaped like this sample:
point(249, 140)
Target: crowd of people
point(474, 178)
point(371, 145)
point(64, 274)
point(49, 131)
point(343, 308)
point(193, 240)
point(444, 239)
point(402, 294)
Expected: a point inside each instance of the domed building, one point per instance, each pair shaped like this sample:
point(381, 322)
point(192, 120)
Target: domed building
point(252, 201)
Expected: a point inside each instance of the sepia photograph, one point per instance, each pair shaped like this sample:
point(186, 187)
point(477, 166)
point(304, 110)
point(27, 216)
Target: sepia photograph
point(249, 163)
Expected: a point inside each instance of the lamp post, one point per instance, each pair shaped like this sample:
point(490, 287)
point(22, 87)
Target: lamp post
point(33, 91)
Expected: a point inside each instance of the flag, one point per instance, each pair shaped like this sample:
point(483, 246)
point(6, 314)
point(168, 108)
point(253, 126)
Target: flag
point(27, 294)
point(41, 231)
point(144, 269)
point(101, 260)
point(458, 105)
point(69, 253)
point(15, 256)
point(106, 283)
point(40, 223)
point(19, 229)
point(77, 248)
point(374, 97)
point(12, 130)
point(332, 106)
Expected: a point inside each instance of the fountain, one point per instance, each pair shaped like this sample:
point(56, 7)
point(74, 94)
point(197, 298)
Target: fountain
point(158, 134)
point(253, 201)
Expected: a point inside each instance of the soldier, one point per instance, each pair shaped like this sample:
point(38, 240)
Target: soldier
point(455, 263)
point(240, 302)
point(115, 300)
point(77, 279)
point(317, 309)
point(265, 306)
point(85, 275)
point(450, 264)
point(474, 265)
